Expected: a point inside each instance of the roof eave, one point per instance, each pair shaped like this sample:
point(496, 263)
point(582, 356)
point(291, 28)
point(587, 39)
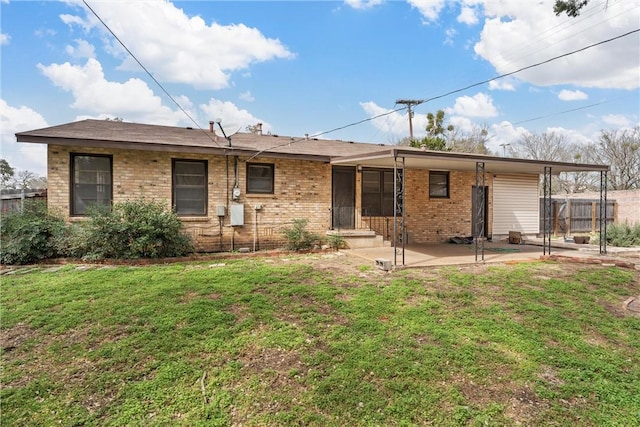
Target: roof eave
point(150, 146)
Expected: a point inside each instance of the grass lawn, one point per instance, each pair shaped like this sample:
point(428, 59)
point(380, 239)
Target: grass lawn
point(319, 340)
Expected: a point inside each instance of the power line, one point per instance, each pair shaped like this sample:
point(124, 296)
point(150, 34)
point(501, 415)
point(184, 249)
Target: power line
point(584, 107)
point(408, 104)
point(149, 73)
point(564, 55)
point(422, 101)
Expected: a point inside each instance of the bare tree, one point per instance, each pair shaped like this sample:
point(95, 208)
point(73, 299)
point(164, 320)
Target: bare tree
point(545, 146)
point(473, 141)
point(24, 179)
point(577, 182)
point(554, 147)
point(621, 150)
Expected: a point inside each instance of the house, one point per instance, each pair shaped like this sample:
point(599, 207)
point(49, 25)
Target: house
point(241, 191)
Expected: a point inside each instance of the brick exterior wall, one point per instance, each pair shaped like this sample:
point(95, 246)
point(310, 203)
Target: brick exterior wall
point(302, 190)
point(436, 220)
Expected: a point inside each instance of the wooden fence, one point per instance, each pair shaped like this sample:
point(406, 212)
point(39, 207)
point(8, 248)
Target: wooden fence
point(577, 215)
point(13, 200)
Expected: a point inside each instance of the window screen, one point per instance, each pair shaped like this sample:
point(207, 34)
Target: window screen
point(260, 178)
point(190, 187)
point(438, 184)
point(377, 192)
point(91, 182)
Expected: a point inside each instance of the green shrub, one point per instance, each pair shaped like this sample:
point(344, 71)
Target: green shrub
point(623, 235)
point(133, 229)
point(298, 237)
point(30, 235)
point(336, 241)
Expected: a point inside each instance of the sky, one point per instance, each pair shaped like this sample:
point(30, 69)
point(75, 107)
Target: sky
point(323, 68)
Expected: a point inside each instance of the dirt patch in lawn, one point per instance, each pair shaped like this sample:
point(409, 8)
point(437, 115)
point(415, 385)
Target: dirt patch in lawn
point(13, 337)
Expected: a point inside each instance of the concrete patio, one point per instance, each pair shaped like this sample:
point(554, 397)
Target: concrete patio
point(424, 255)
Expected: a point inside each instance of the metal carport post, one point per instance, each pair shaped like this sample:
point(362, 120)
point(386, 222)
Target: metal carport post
point(546, 211)
point(398, 208)
point(603, 212)
point(478, 217)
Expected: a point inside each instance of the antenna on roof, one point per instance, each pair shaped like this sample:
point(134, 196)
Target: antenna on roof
point(227, 136)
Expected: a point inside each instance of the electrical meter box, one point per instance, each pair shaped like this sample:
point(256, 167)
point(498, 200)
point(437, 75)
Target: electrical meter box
point(237, 214)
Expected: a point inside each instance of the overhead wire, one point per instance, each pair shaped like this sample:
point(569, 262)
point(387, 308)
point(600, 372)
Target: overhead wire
point(166, 92)
point(422, 101)
point(534, 44)
point(559, 113)
point(365, 120)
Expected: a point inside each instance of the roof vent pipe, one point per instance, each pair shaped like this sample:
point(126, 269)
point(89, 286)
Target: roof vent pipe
point(259, 127)
point(211, 122)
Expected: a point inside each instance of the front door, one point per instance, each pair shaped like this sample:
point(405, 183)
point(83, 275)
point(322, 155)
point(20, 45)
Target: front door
point(343, 206)
point(479, 212)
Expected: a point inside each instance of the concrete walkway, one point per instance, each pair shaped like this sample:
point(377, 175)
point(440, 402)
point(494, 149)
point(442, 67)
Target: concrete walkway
point(423, 255)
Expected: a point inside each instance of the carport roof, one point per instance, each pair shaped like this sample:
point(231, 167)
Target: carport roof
point(442, 160)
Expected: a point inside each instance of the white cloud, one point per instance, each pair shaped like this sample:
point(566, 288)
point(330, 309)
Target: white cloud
point(468, 15)
point(82, 49)
point(478, 105)
point(363, 4)
point(246, 96)
point(429, 9)
point(617, 120)
point(463, 124)
point(86, 24)
point(450, 33)
point(233, 118)
point(4, 39)
point(515, 36)
point(503, 135)
point(44, 32)
point(22, 156)
point(572, 95)
point(92, 93)
point(394, 123)
point(572, 135)
point(508, 83)
point(180, 48)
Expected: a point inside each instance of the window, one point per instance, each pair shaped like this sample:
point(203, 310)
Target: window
point(438, 185)
point(377, 192)
point(91, 182)
point(260, 178)
point(189, 187)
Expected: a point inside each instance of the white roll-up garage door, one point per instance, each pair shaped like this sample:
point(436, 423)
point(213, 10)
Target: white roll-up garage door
point(515, 204)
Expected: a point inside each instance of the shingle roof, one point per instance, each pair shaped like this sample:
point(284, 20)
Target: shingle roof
point(149, 137)
point(124, 135)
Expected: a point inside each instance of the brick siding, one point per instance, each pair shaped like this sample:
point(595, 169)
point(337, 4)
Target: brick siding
point(302, 190)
